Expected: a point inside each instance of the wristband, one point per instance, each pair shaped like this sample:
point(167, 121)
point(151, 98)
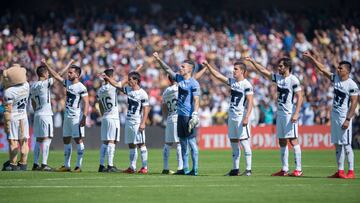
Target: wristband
point(348, 119)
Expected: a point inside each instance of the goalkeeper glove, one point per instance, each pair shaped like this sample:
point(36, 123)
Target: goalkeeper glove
point(194, 121)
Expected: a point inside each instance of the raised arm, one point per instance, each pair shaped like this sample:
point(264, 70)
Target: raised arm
point(199, 74)
point(317, 64)
point(112, 82)
point(52, 72)
point(215, 73)
point(164, 66)
point(66, 67)
point(138, 67)
point(261, 69)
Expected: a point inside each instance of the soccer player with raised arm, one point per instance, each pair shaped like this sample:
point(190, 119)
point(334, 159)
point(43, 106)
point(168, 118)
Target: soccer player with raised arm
point(77, 104)
point(346, 94)
point(187, 108)
point(40, 96)
point(110, 122)
point(288, 89)
point(137, 114)
point(169, 109)
point(241, 104)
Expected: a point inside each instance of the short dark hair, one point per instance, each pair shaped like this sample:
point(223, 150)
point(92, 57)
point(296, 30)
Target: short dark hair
point(287, 62)
point(188, 61)
point(241, 64)
point(135, 76)
point(109, 72)
point(41, 70)
point(76, 68)
point(171, 79)
point(347, 64)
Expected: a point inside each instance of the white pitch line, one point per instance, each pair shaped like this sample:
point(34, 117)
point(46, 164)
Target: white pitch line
point(147, 186)
point(54, 179)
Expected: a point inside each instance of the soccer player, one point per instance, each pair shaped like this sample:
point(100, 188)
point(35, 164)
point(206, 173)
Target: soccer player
point(346, 94)
point(137, 114)
point(43, 122)
point(187, 108)
point(76, 111)
point(241, 104)
point(288, 88)
point(110, 123)
point(169, 109)
point(16, 126)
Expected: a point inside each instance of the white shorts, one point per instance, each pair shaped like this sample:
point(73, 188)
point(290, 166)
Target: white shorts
point(110, 129)
point(71, 128)
point(339, 135)
point(132, 134)
point(171, 135)
point(19, 129)
point(236, 130)
point(43, 126)
point(285, 128)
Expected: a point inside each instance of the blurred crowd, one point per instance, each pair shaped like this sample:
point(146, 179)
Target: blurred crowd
point(101, 39)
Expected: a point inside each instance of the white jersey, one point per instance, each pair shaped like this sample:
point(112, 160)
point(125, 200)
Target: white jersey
point(239, 91)
point(169, 98)
point(107, 96)
point(17, 96)
point(137, 99)
point(40, 93)
point(286, 88)
point(74, 93)
point(343, 90)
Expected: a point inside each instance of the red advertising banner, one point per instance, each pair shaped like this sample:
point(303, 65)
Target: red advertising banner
point(264, 137)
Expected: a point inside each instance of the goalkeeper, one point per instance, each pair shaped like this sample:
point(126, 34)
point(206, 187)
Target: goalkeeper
point(187, 108)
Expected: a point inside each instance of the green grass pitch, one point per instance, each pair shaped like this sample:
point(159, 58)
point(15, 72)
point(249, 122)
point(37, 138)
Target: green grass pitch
point(210, 186)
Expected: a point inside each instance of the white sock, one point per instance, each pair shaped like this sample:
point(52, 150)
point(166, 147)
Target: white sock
point(285, 158)
point(166, 153)
point(67, 155)
point(37, 152)
point(248, 153)
point(235, 154)
point(45, 151)
point(350, 156)
point(80, 154)
point(340, 156)
point(179, 156)
point(111, 153)
point(133, 157)
point(144, 156)
point(103, 154)
point(297, 156)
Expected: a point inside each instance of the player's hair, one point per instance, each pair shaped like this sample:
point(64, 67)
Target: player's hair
point(188, 61)
point(76, 68)
point(41, 70)
point(171, 79)
point(347, 64)
point(135, 76)
point(287, 63)
point(241, 64)
point(109, 72)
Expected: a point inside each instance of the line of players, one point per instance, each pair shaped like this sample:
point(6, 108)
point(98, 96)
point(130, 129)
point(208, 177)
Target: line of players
point(180, 106)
